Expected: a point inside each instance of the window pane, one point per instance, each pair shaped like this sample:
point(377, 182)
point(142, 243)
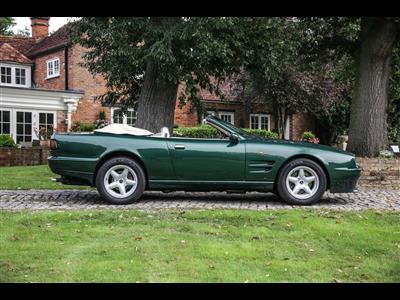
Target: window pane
point(6, 116)
point(5, 74)
point(20, 117)
point(19, 138)
point(28, 128)
point(42, 118)
point(254, 122)
point(1, 115)
point(28, 138)
point(17, 72)
point(50, 119)
point(28, 117)
point(264, 122)
point(5, 128)
point(20, 129)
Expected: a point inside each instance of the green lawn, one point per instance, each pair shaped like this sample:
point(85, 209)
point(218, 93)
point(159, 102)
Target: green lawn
point(31, 177)
point(199, 246)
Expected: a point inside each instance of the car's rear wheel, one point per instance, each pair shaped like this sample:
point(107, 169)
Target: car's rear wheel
point(120, 180)
point(301, 182)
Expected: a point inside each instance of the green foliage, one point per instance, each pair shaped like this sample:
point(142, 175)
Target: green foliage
point(203, 131)
point(6, 25)
point(83, 127)
point(208, 132)
point(186, 50)
point(307, 135)
point(7, 141)
point(262, 133)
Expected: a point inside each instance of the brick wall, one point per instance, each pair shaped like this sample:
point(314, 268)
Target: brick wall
point(299, 123)
point(23, 156)
point(40, 73)
point(80, 78)
point(379, 172)
point(61, 117)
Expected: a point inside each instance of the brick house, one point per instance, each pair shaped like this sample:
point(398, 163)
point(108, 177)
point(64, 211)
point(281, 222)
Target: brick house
point(43, 85)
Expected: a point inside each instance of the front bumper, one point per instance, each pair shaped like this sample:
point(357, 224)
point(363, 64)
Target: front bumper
point(344, 180)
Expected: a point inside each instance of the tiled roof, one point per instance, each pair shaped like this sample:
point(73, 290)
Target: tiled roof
point(10, 54)
point(22, 43)
point(55, 40)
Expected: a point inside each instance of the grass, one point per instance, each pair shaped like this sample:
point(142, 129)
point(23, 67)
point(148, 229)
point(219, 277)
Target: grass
point(199, 246)
point(31, 177)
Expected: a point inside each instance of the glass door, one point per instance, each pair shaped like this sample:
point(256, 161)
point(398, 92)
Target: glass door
point(24, 127)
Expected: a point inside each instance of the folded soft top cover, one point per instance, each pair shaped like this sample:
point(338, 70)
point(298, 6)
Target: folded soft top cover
point(124, 129)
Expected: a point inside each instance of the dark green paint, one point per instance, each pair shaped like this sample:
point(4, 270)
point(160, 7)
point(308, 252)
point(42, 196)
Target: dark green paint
point(204, 164)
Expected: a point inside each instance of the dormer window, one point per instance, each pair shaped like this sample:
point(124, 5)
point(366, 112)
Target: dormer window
point(20, 76)
point(53, 67)
point(15, 75)
point(6, 75)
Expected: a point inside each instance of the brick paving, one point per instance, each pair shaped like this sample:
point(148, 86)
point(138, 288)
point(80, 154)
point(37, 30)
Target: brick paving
point(366, 198)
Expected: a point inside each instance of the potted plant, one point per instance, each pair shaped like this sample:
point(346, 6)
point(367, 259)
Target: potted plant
point(309, 137)
point(45, 135)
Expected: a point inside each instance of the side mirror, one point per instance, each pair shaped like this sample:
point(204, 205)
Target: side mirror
point(234, 138)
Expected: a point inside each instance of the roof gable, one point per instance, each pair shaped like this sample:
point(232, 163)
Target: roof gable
point(54, 41)
point(21, 43)
point(10, 54)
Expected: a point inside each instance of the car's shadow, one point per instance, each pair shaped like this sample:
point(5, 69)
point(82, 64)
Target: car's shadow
point(253, 197)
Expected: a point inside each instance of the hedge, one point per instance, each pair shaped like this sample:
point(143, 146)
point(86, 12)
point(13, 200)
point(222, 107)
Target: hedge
point(206, 131)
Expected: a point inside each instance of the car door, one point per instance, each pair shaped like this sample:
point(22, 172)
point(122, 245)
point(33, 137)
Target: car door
point(207, 159)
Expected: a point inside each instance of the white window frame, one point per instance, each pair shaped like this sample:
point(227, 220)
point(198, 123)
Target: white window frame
point(124, 116)
point(11, 120)
point(13, 75)
point(50, 66)
point(35, 121)
point(219, 114)
point(259, 120)
point(227, 113)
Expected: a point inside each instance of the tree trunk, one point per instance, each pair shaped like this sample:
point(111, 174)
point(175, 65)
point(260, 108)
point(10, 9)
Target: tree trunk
point(156, 105)
point(368, 128)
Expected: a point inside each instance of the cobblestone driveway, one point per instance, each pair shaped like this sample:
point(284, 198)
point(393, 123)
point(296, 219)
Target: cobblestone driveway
point(382, 199)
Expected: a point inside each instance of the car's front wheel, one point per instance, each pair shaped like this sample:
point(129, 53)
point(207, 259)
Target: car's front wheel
point(301, 182)
point(120, 180)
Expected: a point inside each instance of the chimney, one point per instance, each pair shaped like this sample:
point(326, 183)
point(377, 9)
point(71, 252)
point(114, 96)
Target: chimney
point(40, 27)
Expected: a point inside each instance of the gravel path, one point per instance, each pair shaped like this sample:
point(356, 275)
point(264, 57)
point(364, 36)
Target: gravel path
point(379, 199)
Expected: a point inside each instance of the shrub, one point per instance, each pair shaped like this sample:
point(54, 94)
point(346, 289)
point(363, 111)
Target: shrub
point(208, 132)
point(83, 127)
point(7, 141)
point(203, 131)
point(262, 133)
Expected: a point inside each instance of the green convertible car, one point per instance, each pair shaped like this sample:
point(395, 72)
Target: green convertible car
point(123, 162)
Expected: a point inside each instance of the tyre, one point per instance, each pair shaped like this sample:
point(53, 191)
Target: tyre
point(301, 182)
point(120, 180)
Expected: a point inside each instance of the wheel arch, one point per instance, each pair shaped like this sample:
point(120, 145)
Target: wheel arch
point(122, 153)
point(308, 156)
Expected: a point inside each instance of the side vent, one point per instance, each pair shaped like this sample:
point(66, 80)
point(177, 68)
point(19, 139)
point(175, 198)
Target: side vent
point(261, 167)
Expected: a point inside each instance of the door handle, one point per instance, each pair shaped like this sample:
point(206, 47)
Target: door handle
point(180, 147)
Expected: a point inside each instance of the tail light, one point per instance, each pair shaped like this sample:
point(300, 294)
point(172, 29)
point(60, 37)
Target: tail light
point(53, 144)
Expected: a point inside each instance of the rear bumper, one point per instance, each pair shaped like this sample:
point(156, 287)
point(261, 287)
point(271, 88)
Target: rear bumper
point(72, 168)
point(344, 180)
